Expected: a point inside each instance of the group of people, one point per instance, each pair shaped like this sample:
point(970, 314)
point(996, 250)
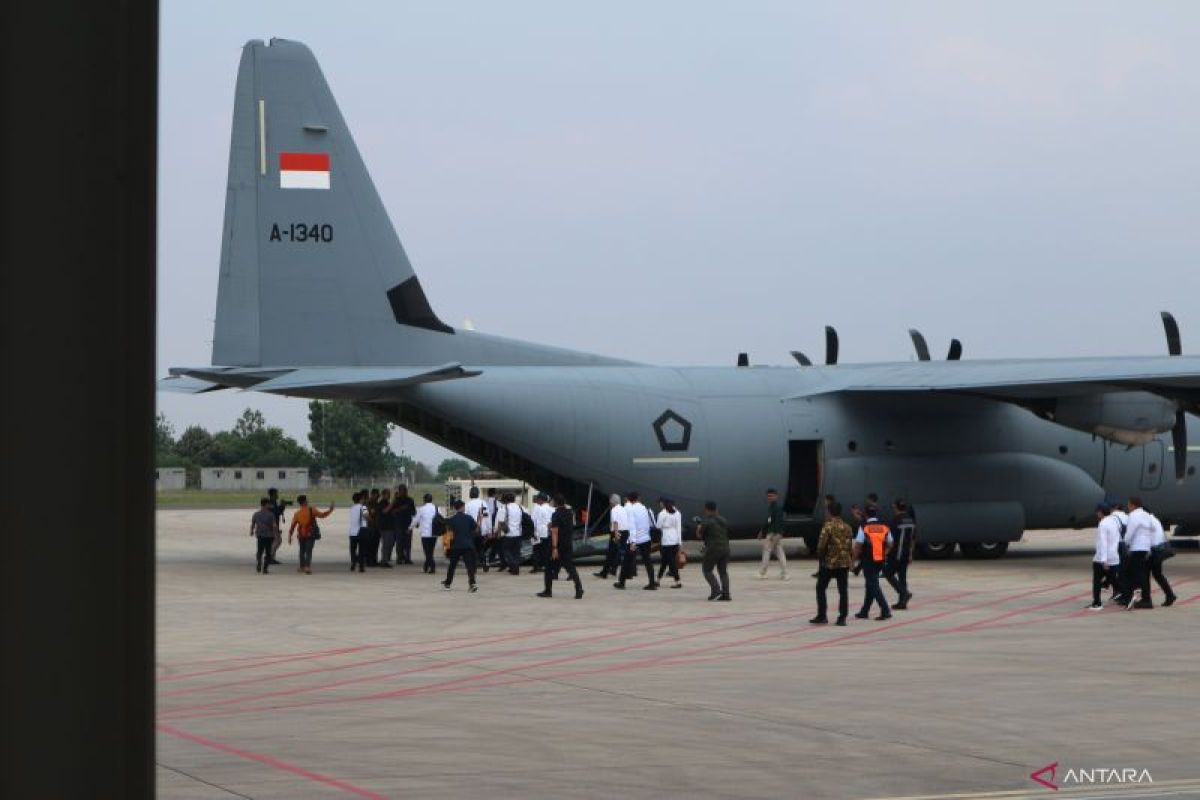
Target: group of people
point(1131, 547)
point(632, 532)
point(487, 531)
point(879, 548)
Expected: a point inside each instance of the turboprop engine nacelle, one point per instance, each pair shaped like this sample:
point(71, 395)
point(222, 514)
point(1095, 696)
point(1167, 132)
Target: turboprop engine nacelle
point(1130, 418)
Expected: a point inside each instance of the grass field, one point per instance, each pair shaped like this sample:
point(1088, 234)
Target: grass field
point(194, 498)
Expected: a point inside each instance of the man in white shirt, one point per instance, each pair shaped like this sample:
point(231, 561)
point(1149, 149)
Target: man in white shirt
point(508, 517)
point(477, 510)
point(358, 520)
point(1105, 559)
point(618, 529)
point(541, 514)
point(1158, 541)
point(423, 522)
point(1139, 535)
point(640, 523)
point(491, 542)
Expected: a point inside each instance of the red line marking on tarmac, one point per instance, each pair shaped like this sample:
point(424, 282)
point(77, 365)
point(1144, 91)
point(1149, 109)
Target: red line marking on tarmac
point(270, 761)
point(171, 712)
point(267, 661)
point(704, 654)
point(307, 654)
point(480, 680)
point(179, 712)
point(1087, 611)
point(354, 664)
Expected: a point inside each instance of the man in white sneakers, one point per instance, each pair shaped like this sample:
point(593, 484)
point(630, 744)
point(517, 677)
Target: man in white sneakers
point(1105, 559)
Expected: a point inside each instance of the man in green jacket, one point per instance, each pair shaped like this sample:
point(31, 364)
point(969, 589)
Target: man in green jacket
point(714, 531)
point(772, 537)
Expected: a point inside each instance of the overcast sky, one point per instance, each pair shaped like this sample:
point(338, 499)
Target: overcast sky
point(678, 182)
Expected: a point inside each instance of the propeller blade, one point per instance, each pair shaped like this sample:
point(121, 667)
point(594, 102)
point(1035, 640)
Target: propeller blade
point(1179, 442)
point(802, 359)
point(955, 350)
point(743, 359)
point(919, 342)
point(831, 345)
point(1172, 329)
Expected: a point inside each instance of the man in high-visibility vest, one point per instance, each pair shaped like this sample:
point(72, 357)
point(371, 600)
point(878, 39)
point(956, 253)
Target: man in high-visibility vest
point(871, 547)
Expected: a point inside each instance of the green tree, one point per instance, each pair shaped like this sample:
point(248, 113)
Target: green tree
point(164, 434)
point(407, 465)
point(251, 422)
point(348, 440)
point(194, 443)
point(454, 468)
point(252, 443)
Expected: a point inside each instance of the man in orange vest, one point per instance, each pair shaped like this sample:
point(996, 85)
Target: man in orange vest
point(871, 546)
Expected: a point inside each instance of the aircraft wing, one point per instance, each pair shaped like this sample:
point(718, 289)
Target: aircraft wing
point(344, 383)
point(1019, 380)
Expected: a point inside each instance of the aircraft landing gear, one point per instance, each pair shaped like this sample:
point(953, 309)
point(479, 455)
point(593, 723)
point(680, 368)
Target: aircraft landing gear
point(935, 551)
point(984, 549)
point(810, 543)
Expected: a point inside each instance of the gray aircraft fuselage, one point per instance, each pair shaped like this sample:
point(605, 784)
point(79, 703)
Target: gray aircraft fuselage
point(975, 469)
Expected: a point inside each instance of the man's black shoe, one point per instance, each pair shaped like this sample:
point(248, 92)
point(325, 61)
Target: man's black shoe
point(714, 595)
point(385, 564)
point(725, 597)
point(818, 621)
point(841, 621)
point(619, 585)
point(882, 617)
point(650, 587)
point(903, 604)
point(600, 574)
point(1170, 601)
point(1138, 604)
point(861, 615)
point(544, 594)
point(579, 594)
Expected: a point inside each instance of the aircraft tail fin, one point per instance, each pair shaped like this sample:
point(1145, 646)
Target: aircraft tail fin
point(312, 272)
point(311, 268)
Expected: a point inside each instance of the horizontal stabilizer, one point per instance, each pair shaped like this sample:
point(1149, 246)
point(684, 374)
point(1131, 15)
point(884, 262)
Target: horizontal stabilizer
point(359, 383)
point(182, 384)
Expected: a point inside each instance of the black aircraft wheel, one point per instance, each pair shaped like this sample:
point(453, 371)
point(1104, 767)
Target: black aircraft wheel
point(935, 551)
point(810, 542)
point(984, 549)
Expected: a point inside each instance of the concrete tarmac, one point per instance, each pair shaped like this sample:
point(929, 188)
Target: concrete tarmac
point(380, 685)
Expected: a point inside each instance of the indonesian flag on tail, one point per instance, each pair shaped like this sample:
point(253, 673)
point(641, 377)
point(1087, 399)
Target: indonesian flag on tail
point(303, 170)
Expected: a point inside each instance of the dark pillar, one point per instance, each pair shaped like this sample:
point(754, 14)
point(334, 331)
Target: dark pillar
point(76, 415)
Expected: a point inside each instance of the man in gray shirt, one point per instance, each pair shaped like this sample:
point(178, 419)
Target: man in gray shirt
point(262, 528)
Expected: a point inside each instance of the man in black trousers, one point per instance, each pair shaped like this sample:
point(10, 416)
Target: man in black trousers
point(562, 552)
point(464, 531)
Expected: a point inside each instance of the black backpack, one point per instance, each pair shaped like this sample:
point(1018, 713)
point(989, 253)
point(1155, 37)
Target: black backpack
point(527, 525)
point(439, 524)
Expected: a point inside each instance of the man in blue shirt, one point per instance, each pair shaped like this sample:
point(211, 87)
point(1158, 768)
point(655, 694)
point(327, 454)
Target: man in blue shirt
point(464, 531)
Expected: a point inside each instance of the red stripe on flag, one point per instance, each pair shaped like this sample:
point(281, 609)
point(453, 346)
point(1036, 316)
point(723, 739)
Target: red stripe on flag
point(304, 162)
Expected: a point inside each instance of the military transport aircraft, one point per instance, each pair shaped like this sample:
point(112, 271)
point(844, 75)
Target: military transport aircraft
point(317, 299)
